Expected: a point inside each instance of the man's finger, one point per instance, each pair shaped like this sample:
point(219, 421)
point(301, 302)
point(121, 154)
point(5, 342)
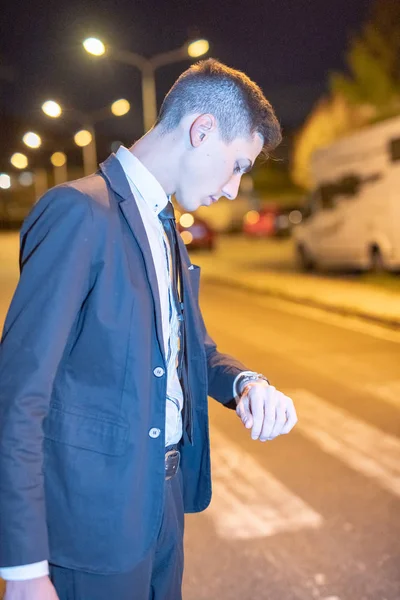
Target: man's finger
point(256, 397)
point(269, 413)
point(243, 412)
point(280, 421)
point(290, 415)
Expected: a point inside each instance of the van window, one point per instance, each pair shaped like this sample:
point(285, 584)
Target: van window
point(395, 149)
point(349, 185)
point(327, 194)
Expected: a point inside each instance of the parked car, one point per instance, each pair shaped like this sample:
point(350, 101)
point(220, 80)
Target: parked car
point(272, 220)
point(261, 223)
point(195, 233)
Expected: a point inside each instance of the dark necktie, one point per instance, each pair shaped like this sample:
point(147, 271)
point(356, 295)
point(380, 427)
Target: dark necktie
point(167, 217)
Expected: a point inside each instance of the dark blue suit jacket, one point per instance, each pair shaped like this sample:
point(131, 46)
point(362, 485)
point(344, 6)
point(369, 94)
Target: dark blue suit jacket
point(81, 479)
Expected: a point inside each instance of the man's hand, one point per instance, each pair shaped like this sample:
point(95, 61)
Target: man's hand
point(40, 588)
point(267, 412)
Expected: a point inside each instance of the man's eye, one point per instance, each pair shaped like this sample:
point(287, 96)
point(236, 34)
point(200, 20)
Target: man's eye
point(237, 170)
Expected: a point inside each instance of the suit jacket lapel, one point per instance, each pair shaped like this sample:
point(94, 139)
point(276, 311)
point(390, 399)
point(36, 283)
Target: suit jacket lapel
point(115, 175)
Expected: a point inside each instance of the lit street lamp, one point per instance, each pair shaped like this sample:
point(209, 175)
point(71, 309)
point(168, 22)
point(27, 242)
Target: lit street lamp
point(51, 109)
point(32, 140)
point(148, 67)
point(59, 162)
point(86, 137)
point(19, 160)
point(5, 181)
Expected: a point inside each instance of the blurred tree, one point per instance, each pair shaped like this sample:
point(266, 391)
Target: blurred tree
point(369, 92)
point(373, 61)
point(331, 119)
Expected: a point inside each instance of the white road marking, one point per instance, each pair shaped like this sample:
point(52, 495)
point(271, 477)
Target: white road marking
point(389, 391)
point(248, 502)
point(359, 445)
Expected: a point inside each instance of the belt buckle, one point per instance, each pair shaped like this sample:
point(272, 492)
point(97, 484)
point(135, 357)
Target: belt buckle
point(172, 460)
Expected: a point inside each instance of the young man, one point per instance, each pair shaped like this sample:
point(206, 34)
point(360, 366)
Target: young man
point(106, 364)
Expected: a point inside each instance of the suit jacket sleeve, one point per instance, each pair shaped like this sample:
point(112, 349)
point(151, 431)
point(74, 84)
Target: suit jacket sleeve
point(55, 259)
point(222, 370)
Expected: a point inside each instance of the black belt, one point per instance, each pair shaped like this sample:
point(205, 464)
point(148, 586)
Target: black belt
point(172, 460)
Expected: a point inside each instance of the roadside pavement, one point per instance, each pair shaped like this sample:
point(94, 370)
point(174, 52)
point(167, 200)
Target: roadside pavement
point(268, 267)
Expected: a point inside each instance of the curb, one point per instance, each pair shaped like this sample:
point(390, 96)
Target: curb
point(391, 323)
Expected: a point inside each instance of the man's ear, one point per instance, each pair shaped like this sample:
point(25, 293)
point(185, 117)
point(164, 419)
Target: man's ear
point(201, 129)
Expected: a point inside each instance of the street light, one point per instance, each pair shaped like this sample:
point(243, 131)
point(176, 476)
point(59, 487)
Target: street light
point(83, 138)
point(121, 107)
point(5, 181)
point(94, 46)
point(32, 140)
point(51, 109)
point(59, 162)
point(26, 179)
point(148, 66)
point(198, 48)
point(86, 137)
point(19, 160)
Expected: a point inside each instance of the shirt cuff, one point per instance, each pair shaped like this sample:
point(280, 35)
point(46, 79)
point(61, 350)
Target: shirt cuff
point(23, 572)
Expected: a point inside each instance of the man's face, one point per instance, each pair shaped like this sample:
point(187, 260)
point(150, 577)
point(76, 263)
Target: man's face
point(214, 169)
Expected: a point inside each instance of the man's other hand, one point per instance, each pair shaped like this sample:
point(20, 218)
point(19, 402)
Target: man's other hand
point(40, 588)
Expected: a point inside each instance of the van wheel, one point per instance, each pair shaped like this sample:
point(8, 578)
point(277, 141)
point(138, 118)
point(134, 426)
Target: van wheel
point(377, 264)
point(304, 259)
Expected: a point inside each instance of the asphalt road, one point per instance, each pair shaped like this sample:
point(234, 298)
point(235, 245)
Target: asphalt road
point(315, 514)
point(311, 515)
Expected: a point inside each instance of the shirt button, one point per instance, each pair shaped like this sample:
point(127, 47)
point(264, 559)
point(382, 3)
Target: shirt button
point(154, 432)
point(158, 371)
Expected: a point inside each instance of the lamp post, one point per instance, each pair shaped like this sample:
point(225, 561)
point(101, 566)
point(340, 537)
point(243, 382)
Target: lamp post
point(86, 137)
point(148, 67)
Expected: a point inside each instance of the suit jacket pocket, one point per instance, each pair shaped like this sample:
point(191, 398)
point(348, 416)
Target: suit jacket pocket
point(87, 432)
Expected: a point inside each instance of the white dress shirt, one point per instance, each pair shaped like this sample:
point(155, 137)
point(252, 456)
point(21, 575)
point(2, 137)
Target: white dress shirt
point(151, 200)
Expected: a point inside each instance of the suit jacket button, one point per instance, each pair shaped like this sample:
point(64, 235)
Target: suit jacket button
point(154, 432)
point(158, 371)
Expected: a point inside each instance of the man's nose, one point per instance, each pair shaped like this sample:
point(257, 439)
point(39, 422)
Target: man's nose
point(231, 189)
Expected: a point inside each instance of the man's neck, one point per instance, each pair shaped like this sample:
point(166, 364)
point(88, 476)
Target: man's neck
point(159, 154)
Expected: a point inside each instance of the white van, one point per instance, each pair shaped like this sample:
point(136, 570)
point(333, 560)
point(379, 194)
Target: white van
point(352, 218)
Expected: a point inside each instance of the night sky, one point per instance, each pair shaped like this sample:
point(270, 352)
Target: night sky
point(287, 46)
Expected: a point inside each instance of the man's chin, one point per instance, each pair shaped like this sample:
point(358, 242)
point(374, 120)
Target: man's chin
point(190, 206)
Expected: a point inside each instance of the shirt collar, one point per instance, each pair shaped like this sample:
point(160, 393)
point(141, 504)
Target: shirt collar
point(147, 185)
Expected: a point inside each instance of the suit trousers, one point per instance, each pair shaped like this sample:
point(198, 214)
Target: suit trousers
point(157, 577)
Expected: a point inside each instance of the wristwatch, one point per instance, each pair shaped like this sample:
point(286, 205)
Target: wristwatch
point(242, 379)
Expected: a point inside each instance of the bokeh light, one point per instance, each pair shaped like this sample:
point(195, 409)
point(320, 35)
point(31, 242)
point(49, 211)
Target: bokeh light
point(51, 109)
point(58, 159)
point(25, 179)
point(119, 108)
point(94, 46)
point(19, 160)
point(252, 217)
point(198, 48)
point(186, 220)
point(83, 138)
point(32, 140)
point(187, 237)
point(5, 181)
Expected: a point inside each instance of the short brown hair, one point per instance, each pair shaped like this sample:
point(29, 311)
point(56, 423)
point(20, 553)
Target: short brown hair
point(237, 103)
